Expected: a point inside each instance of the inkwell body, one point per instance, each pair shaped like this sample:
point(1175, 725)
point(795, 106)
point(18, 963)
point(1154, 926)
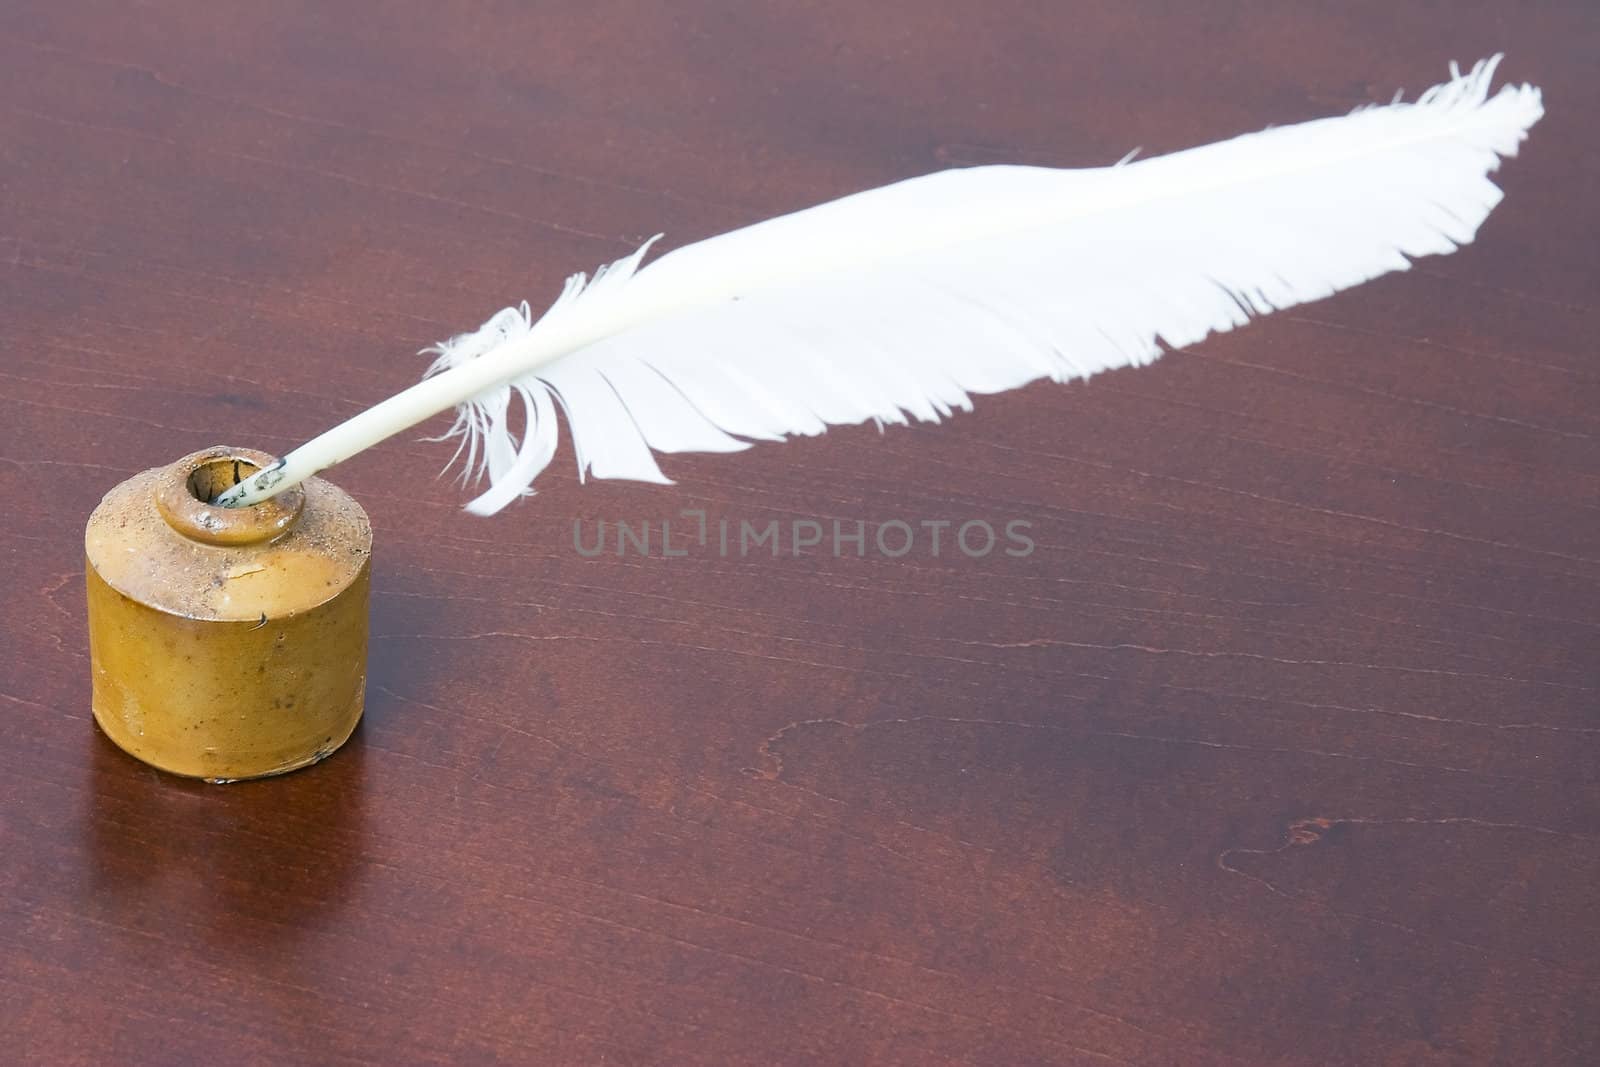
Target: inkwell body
point(227, 643)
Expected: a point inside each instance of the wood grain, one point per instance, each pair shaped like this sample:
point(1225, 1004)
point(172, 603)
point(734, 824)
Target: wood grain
point(1282, 747)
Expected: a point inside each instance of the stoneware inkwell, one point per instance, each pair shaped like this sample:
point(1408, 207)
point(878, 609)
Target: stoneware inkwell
point(227, 643)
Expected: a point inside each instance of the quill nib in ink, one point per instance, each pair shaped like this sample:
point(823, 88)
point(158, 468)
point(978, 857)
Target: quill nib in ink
point(252, 490)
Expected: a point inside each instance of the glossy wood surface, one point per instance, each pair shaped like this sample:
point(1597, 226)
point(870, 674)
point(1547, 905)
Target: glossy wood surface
point(1282, 747)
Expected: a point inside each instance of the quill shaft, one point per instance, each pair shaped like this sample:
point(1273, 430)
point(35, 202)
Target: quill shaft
point(396, 414)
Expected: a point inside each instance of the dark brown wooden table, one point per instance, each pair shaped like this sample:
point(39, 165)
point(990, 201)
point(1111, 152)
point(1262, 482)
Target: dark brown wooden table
point(1281, 748)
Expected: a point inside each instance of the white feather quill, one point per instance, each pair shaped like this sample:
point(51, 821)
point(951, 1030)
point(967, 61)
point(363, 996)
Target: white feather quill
point(904, 301)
